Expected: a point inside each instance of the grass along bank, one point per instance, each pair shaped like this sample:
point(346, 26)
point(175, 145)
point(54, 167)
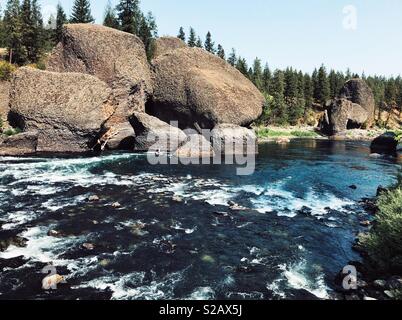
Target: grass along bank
point(274, 133)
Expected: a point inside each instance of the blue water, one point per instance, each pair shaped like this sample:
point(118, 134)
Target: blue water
point(294, 234)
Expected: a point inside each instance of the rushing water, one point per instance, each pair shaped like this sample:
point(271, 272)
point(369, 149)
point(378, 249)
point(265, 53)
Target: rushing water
point(295, 236)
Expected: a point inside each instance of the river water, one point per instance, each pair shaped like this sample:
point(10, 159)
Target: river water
point(174, 236)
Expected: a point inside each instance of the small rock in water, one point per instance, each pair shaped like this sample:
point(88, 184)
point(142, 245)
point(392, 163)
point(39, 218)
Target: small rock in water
point(54, 233)
point(168, 246)
point(208, 259)
point(51, 282)
point(366, 223)
point(116, 205)
point(93, 198)
point(390, 294)
point(88, 246)
point(236, 207)
point(283, 141)
point(177, 199)
point(104, 262)
point(137, 229)
point(353, 187)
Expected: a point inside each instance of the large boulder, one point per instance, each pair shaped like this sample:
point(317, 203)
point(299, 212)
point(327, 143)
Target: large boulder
point(343, 115)
point(152, 134)
point(358, 91)
point(118, 58)
point(386, 143)
point(19, 144)
point(4, 101)
point(164, 45)
point(232, 139)
point(193, 86)
point(67, 109)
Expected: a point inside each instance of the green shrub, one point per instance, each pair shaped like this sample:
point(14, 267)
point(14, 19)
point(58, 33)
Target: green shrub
point(11, 132)
point(384, 242)
point(304, 134)
point(6, 70)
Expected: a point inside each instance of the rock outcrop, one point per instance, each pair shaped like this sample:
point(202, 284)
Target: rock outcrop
point(67, 110)
point(4, 100)
point(232, 139)
point(164, 45)
point(196, 146)
point(358, 91)
point(344, 114)
point(152, 134)
point(121, 137)
point(386, 143)
point(19, 144)
point(194, 86)
point(117, 58)
point(354, 108)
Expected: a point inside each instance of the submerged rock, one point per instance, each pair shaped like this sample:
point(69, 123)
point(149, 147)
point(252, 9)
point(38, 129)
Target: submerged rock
point(117, 58)
point(67, 110)
point(93, 198)
point(194, 86)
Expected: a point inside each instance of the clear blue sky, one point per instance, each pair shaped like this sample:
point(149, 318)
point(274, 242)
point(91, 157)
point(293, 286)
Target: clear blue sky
point(298, 33)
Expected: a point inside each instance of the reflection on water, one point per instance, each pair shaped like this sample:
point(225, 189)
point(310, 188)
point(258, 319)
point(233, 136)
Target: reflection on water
point(169, 232)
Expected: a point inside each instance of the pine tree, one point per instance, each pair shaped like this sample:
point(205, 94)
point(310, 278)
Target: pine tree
point(192, 38)
point(242, 66)
point(322, 89)
point(110, 19)
point(257, 74)
point(2, 31)
point(232, 60)
point(38, 37)
point(266, 79)
point(209, 45)
point(199, 43)
point(308, 92)
point(147, 33)
point(129, 16)
point(221, 52)
point(61, 19)
point(13, 30)
point(278, 106)
point(81, 12)
point(182, 34)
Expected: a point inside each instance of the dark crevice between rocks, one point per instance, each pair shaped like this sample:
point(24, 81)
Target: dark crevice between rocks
point(186, 118)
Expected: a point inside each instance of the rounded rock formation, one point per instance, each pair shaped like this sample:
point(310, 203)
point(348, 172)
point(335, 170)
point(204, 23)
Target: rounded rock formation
point(117, 58)
point(358, 91)
point(193, 86)
point(67, 110)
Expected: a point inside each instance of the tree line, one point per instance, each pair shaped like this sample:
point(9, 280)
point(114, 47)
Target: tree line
point(292, 95)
